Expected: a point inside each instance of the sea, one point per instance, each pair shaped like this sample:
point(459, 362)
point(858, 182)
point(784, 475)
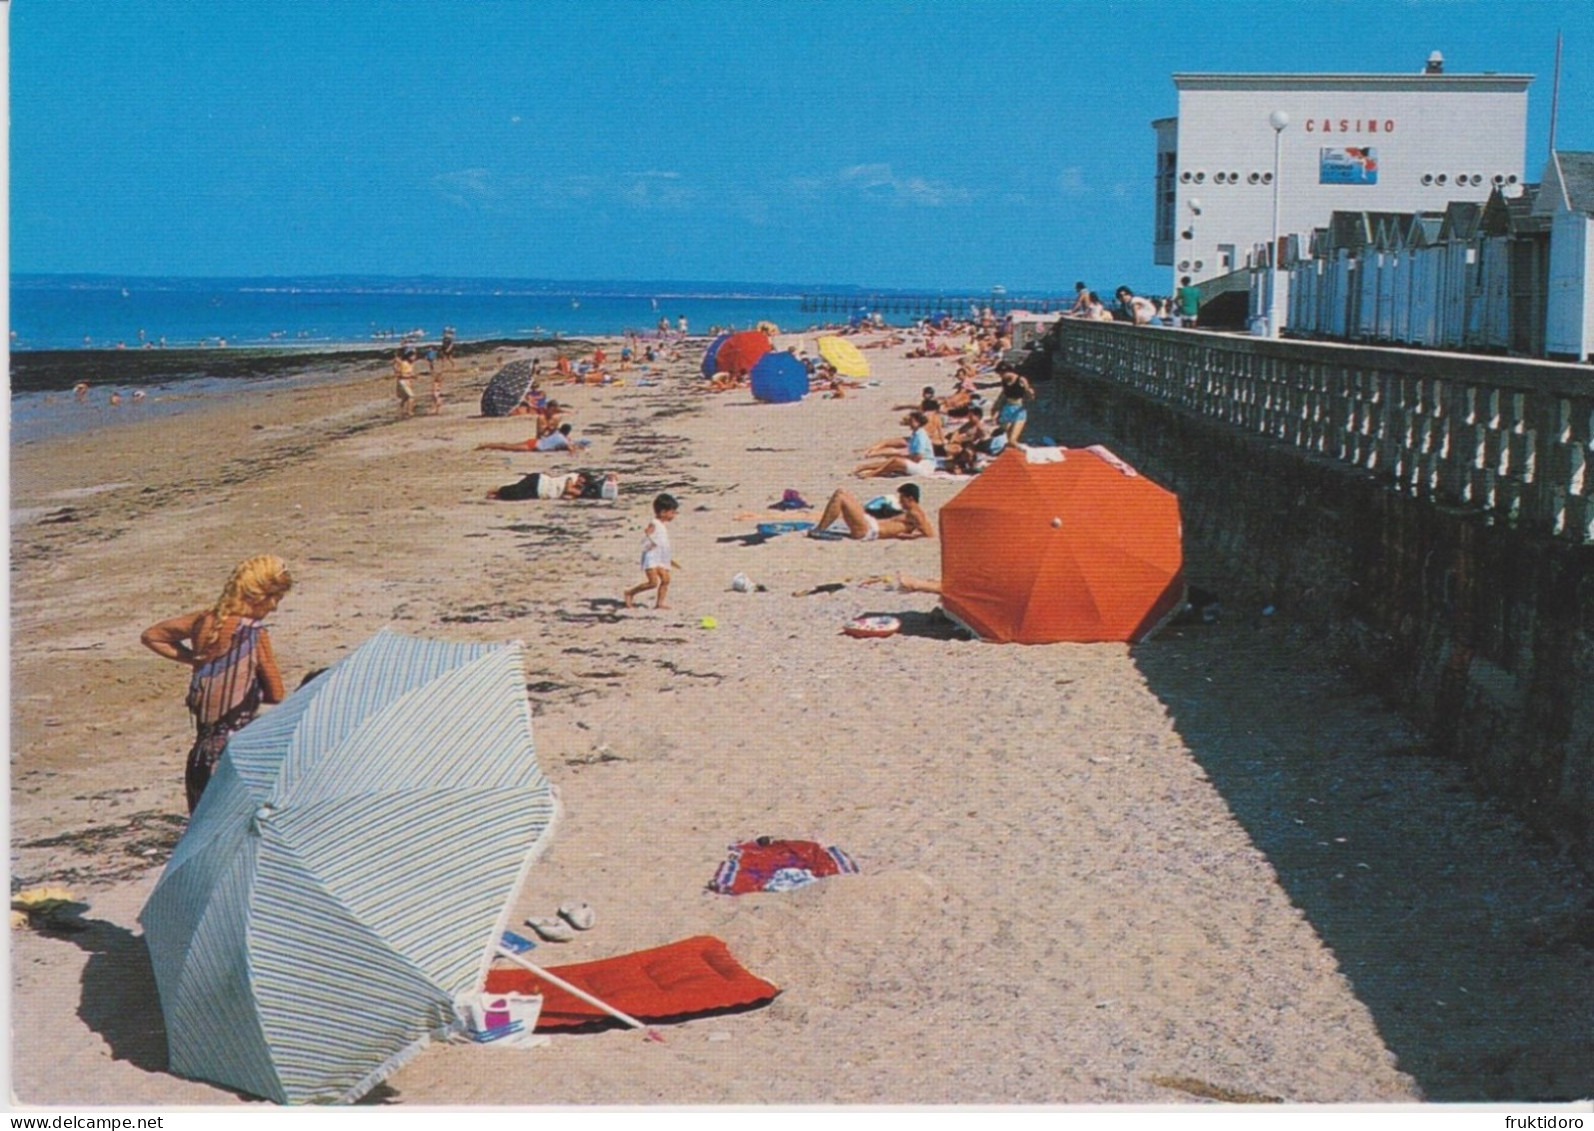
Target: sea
point(175, 339)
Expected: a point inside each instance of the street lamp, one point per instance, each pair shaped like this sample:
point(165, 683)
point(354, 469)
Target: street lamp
point(1279, 120)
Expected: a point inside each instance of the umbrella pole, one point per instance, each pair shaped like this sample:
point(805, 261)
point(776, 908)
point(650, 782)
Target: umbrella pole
point(569, 989)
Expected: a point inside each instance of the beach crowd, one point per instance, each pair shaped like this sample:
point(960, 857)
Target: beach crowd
point(952, 432)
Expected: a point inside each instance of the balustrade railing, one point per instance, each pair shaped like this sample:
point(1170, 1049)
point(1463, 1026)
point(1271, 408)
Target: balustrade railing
point(1512, 439)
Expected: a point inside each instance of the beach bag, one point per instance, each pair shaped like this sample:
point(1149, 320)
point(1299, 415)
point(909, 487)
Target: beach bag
point(503, 1019)
point(597, 483)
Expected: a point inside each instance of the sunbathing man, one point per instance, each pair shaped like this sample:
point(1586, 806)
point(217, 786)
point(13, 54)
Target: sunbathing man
point(865, 527)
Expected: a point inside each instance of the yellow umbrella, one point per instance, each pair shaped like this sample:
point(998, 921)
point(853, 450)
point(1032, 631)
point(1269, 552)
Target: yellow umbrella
point(844, 356)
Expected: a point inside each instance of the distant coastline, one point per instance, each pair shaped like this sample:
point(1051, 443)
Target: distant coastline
point(83, 313)
point(58, 370)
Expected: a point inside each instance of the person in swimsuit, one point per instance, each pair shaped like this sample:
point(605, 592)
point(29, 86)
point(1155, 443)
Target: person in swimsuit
point(1011, 413)
point(234, 668)
point(864, 527)
point(404, 388)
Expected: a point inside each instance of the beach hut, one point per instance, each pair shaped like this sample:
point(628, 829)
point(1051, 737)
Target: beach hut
point(346, 875)
point(779, 378)
point(1061, 544)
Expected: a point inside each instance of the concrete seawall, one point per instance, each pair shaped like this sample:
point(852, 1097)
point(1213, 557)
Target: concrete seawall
point(1430, 515)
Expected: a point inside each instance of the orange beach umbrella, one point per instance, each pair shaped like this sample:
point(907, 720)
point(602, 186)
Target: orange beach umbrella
point(1061, 544)
point(740, 352)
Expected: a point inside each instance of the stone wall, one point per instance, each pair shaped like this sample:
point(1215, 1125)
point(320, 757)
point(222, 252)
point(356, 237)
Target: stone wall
point(1429, 514)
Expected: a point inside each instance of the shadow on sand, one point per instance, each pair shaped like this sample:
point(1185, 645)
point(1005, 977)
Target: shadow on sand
point(932, 625)
point(1470, 944)
point(120, 1001)
point(1458, 931)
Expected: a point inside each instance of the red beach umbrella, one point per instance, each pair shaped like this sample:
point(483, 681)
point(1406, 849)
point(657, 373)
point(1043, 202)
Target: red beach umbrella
point(1081, 548)
point(740, 352)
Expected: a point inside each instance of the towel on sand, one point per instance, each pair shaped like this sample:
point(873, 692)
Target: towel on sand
point(668, 983)
point(754, 864)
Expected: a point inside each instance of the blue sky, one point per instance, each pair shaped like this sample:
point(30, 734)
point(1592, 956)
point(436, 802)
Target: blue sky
point(881, 144)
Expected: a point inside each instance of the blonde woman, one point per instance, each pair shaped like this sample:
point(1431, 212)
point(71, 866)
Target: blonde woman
point(229, 650)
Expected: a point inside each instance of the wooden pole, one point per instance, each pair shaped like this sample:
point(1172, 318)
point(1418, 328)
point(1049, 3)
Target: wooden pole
point(569, 989)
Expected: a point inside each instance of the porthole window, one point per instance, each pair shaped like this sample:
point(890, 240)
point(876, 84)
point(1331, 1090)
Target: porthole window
point(1477, 178)
point(1267, 178)
point(1511, 180)
point(1498, 179)
point(1440, 179)
point(1199, 265)
point(1184, 265)
point(1427, 178)
point(1199, 177)
point(1234, 178)
point(1254, 177)
point(1185, 176)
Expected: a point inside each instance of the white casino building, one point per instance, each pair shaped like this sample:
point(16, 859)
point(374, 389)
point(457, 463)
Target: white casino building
point(1396, 143)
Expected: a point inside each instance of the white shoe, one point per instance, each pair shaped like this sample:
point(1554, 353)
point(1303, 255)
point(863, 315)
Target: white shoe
point(552, 929)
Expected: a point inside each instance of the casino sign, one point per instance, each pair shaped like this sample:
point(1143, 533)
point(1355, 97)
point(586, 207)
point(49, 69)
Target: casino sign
point(1350, 125)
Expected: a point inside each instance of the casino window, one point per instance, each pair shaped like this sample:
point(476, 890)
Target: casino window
point(1167, 192)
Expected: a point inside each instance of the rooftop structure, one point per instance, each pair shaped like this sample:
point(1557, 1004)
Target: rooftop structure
point(1346, 142)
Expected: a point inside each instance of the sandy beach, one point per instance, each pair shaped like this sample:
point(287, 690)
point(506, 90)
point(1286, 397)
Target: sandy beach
point(1206, 868)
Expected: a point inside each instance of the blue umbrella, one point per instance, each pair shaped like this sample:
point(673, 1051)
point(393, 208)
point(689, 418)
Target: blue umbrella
point(507, 389)
point(711, 355)
point(348, 871)
point(779, 378)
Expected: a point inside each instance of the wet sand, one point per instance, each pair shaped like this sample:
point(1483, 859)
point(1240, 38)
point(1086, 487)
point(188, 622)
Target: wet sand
point(1202, 869)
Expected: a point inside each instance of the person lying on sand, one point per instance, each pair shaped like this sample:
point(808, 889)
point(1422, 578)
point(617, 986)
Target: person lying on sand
point(541, 485)
point(927, 402)
point(826, 380)
point(865, 527)
point(556, 441)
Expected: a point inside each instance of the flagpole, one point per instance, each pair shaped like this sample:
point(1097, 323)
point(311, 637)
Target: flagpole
point(1555, 94)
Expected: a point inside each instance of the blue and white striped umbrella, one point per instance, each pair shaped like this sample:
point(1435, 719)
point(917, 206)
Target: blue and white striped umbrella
point(349, 870)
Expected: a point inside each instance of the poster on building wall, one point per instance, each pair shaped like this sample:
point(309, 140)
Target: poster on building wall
point(1347, 166)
